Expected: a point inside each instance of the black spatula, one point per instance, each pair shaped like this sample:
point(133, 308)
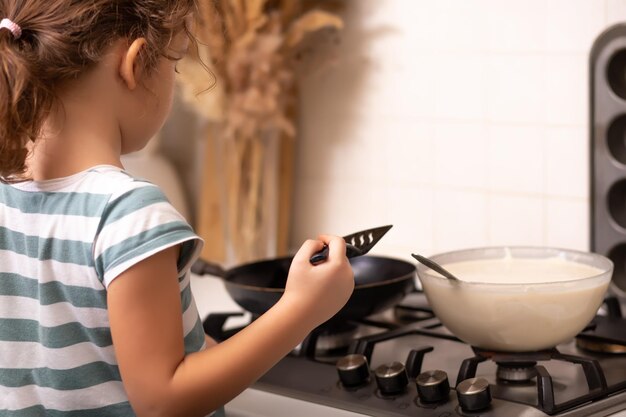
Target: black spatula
point(357, 244)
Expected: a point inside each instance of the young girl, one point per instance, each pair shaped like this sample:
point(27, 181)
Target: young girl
point(96, 312)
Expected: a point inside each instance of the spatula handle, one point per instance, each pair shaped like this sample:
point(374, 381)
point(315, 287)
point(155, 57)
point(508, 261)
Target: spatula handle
point(321, 256)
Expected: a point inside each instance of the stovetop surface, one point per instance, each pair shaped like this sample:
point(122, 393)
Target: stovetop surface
point(321, 385)
point(318, 382)
point(314, 378)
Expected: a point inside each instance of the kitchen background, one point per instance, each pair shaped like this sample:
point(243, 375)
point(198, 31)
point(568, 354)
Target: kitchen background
point(461, 122)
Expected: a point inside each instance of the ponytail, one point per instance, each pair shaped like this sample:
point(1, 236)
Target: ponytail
point(24, 102)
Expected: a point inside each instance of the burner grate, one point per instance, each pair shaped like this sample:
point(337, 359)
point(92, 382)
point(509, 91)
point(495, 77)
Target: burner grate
point(365, 346)
point(594, 375)
point(605, 334)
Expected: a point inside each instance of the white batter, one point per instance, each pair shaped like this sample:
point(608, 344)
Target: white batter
point(545, 301)
point(521, 271)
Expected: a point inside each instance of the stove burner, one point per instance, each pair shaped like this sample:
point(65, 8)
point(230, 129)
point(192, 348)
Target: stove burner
point(525, 362)
point(605, 334)
point(408, 314)
point(413, 308)
point(600, 347)
point(516, 372)
point(335, 340)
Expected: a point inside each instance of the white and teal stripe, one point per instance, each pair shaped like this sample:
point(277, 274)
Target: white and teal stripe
point(62, 242)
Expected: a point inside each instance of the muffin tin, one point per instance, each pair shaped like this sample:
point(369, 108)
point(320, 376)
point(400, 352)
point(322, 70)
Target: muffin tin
point(607, 97)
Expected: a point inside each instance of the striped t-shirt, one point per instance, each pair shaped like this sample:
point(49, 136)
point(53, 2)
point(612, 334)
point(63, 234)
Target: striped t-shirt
point(62, 242)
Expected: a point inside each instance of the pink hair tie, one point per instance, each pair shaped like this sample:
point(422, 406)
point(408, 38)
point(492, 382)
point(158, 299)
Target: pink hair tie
point(15, 29)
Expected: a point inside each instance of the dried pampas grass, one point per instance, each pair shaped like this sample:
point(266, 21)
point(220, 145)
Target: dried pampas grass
point(249, 95)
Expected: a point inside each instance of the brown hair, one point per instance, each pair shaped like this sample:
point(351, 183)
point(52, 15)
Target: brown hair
point(60, 40)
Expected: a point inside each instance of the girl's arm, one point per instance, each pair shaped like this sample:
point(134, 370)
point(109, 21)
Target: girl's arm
point(145, 317)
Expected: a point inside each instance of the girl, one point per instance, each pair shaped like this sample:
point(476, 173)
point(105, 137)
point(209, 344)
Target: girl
point(96, 312)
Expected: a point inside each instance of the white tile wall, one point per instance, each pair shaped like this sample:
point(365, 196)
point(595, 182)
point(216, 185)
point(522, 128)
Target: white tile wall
point(566, 95)
point(516, 220)
point(572, 25)
point(567, 155)
point(460, 218)
point(516, 90)
point(460, 155)
point(515, 158)
point(515, 27)
point(615, 11)
point(462, 122)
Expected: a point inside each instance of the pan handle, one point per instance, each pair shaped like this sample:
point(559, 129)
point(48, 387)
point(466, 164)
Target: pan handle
point(202, 267)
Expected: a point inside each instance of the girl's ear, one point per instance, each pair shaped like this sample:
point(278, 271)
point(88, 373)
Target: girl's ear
point(130, 70)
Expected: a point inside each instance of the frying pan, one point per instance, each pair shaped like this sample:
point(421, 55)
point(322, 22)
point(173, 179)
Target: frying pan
point(380, 283)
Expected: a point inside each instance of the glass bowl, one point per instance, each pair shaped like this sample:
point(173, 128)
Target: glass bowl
point(517, 299)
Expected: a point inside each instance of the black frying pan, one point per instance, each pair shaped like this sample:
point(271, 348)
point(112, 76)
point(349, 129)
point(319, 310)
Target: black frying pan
point(380, 283)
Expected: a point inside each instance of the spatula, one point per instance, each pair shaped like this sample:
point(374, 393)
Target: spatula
point(357, 244)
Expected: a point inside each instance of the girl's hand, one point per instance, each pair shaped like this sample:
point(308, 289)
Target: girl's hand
point(320, 291)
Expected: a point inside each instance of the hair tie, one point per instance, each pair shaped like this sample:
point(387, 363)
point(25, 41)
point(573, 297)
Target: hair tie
point(15, 29)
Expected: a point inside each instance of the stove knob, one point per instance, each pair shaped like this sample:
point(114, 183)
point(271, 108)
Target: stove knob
point(473, 394)
point(353, 370)
point(391, 378)
point(433, 386)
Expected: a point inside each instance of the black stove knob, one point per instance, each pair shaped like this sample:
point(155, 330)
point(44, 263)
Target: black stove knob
point(473, 394)
point(353, 370)
point(391, 378)
point(433, 386)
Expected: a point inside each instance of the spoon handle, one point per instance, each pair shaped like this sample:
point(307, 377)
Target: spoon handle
point(434, 266)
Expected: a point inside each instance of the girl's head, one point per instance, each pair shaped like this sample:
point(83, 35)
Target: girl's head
point(60, 41)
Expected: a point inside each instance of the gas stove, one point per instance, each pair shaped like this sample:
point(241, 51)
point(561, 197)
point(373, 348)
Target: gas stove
point(403, 362)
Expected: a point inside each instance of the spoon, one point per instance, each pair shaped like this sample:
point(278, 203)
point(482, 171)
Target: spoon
point(434, 266)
